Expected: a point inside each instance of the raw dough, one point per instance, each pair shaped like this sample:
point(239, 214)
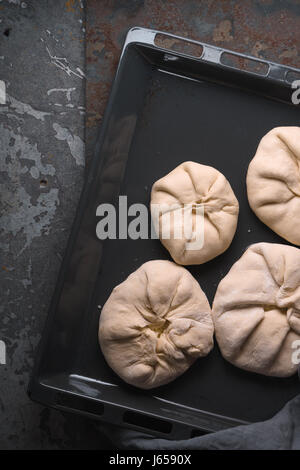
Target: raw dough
point(273, 182)
point(155, 325)
point(195, 184)
point(256, 310)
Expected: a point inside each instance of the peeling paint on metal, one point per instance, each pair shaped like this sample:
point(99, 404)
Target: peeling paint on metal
point(63, 64)
point(263, 28)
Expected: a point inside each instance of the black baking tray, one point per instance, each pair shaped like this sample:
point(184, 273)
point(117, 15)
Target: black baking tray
point(165, 107)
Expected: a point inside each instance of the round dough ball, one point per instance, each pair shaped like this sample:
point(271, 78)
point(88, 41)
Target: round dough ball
point(155, 325)
point(194, 185)
point(273, 182)
point(256, 310)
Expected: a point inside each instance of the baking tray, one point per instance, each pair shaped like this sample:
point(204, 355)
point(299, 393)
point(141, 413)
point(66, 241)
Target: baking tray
point(165, 107)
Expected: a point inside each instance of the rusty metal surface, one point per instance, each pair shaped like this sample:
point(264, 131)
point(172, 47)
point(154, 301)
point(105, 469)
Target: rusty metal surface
point(263, 28)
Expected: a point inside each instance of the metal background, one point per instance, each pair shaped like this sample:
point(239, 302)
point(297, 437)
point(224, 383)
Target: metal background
point(263, 28)
point(30, 259)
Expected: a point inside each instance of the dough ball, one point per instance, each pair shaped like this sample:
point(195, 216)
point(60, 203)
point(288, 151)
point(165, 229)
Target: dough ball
point(155, 325)
point(273, 182)
point(256, 310)
point(183, 192)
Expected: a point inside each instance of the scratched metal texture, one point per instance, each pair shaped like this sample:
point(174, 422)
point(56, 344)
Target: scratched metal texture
point(268, 29)
point(42, 167)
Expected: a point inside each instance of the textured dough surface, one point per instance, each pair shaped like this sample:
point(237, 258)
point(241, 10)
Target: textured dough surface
point(273, 182)
point(256, 310)
point(196, 184)
point(155, 325)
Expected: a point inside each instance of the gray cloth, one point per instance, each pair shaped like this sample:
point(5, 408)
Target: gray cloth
point(282, 432)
